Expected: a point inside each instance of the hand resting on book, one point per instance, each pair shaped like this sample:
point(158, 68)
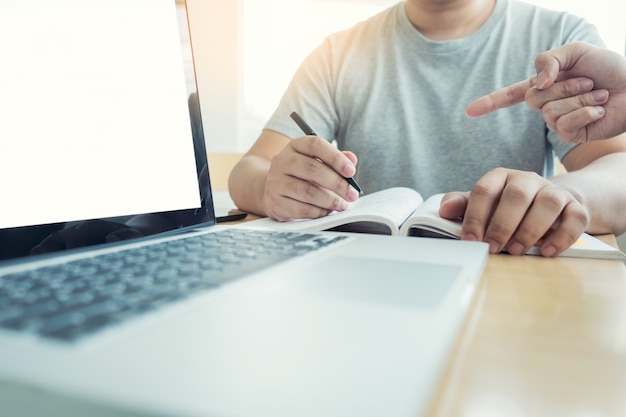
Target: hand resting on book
point(513, 210)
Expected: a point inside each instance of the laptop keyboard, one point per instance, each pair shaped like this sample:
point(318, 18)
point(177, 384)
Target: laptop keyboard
point(70, 301)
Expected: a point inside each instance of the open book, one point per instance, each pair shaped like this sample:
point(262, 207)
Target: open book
point(402, 211)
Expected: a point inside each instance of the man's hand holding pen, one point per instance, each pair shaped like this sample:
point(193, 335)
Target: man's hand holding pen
point(307, 179)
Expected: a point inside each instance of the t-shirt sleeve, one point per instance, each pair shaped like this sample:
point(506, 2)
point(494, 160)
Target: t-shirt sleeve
point(310, 95)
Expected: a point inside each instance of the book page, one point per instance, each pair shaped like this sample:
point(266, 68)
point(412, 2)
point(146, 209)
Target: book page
point(386, 209)
point(396, 203)
point(587, 246)
point(425, 221)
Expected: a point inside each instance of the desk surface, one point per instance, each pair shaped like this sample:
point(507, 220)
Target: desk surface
point(544, 337)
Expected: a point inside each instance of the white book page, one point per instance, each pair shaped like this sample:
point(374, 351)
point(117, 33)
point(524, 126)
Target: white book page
point(94, 111)
point(426, 216)
point(587, 246)
point(390, 206)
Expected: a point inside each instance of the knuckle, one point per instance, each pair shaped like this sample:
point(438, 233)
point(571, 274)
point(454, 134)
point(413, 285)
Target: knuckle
point(533, 175)
point(563, 89)
point(578, 214)
point(473, 224)
point(499, 231)
point(499, 171)
point(306, 190)
point(518, 193)
point(278, 160)
point(288, 152)
point(302, 211)
point(532, 98)
point(529, 234)
point(511, 94)
point(549, 111)
point(563, 127)
point(312, 167)
point(338, 159)
point(272, 209)
point(581, 100)
point(340, 184)
point(536, 99)
point(336, 203)
point(316, 144)
point(571, 87)
point(552, 199)
point(589, 114)
point(316, 201)
point(481, 189)
point(567, 134)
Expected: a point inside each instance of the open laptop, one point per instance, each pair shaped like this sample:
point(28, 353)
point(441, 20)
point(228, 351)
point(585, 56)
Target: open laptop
point(105, 185)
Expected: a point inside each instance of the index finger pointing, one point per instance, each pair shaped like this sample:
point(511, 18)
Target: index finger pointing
point(504, 97)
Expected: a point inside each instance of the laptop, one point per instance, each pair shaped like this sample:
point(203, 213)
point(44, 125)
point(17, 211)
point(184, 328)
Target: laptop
point(119, 293)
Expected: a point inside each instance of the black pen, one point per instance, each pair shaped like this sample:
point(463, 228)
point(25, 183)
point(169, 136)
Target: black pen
point(309, 132)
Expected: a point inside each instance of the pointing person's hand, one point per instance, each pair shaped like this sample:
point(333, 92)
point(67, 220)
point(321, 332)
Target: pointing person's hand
point(579, 89)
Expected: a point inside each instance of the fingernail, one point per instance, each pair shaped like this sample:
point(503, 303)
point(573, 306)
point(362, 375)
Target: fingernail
point(584, 85)
point(542, 79)
point(469, 237)
point(600, 96)
point(516, 248)
point(344, 205)
point(548, 251)
point(600, 110)
point(352, 194)
point(494, 247)
point(348, 170)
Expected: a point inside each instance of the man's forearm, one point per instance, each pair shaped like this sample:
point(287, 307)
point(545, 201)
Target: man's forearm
point(600, 188)
point(246, 184)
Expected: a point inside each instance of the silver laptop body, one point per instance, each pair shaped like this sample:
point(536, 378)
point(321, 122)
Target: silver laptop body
point(343, 325)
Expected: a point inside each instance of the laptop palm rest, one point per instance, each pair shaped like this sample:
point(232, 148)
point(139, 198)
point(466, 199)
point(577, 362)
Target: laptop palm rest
point(401, 284)
point(324, 332)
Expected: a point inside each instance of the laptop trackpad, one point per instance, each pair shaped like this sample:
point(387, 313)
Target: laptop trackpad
point(397, 283)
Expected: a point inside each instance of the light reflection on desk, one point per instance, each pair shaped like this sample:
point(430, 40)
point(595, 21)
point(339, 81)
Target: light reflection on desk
point(546, 337)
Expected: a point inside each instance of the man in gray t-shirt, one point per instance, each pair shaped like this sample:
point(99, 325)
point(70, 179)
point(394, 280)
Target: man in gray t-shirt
point(393, 89)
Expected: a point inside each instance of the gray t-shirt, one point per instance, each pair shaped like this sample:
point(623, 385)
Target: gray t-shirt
point(397, 100)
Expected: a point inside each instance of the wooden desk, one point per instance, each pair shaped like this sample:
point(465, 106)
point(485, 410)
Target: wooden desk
point(543, 338)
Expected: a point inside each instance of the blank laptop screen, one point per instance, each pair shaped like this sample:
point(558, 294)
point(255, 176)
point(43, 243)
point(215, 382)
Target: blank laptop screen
point(101, 137)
